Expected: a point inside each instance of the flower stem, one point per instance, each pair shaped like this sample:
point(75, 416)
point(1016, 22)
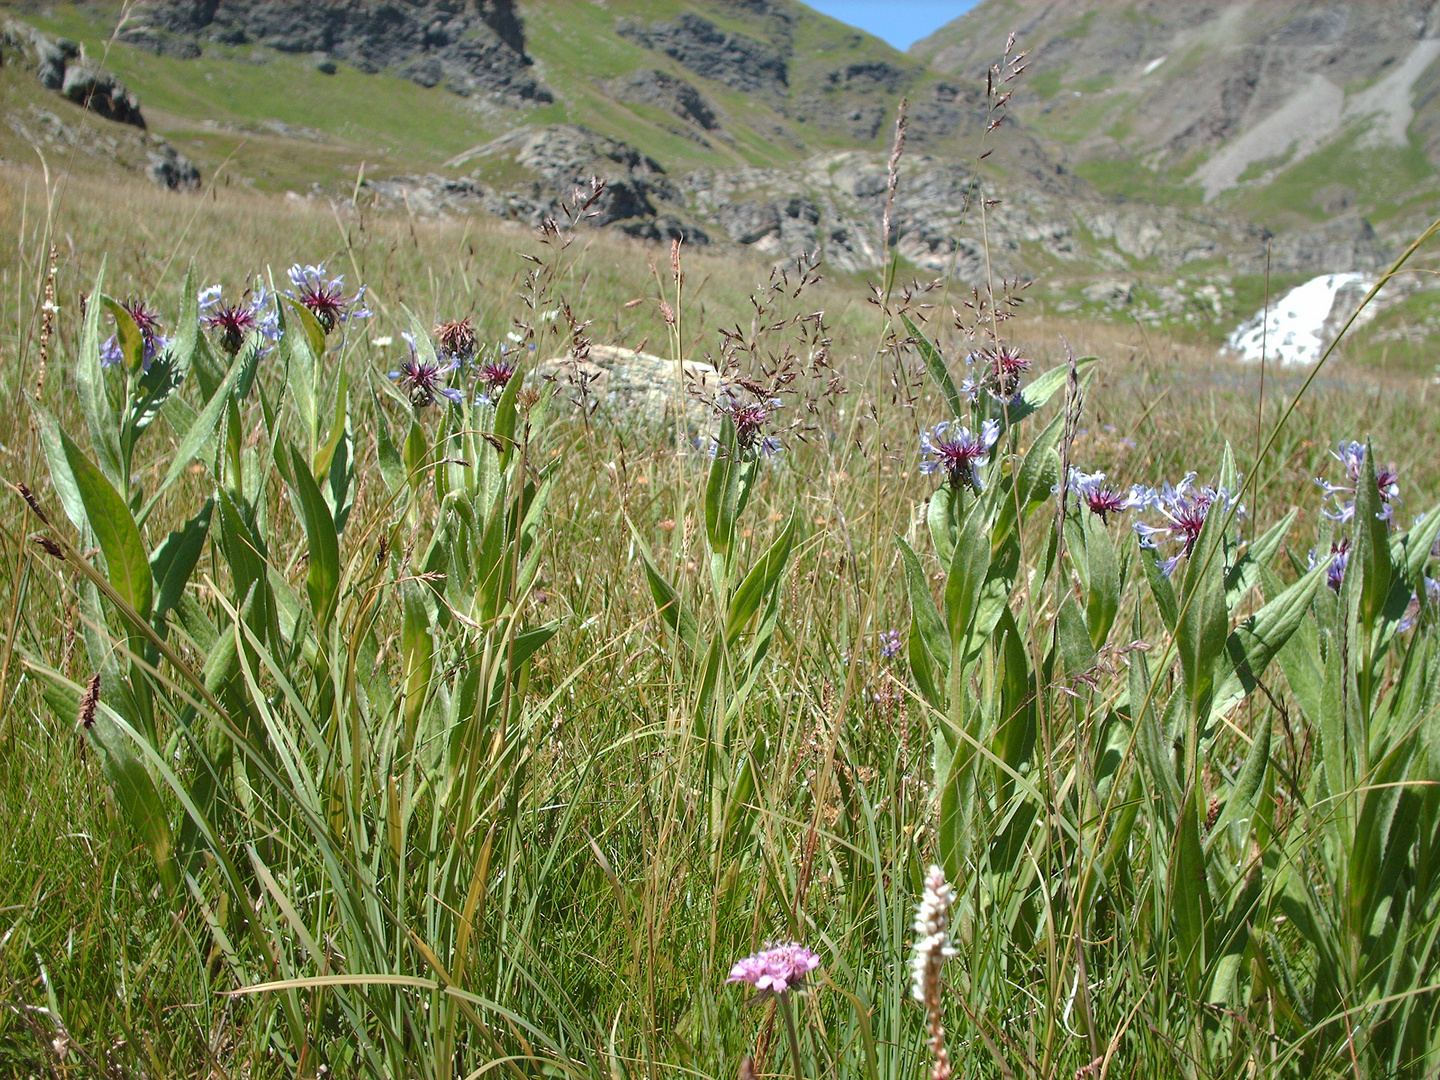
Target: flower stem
point(784, 1000)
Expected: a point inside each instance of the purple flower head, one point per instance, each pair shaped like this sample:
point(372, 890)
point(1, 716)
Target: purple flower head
point(1339, 559)
point(1182, 509)
point(147, 321)
point(890, 644)
point(750, 418)
point(457, 338)
point(1352, 456)
point(957, 452)
point(1004, 367)
point(326, 299)
point(233, 323)
point(1091, 489)
point(494, 377)
point(777, 970)
point(425, 379)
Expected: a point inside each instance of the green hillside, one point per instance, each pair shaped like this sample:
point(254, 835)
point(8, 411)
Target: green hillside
point(276, 121)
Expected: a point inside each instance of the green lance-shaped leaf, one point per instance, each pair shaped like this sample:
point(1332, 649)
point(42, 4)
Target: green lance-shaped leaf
point(667, 601)
point(135, 792)
point(392, 466)
point(1102, 596)
point(1204, 620)
point(507, 415)
point(127, 336)
point(929, 644)
point(1415, 546)
point(1189, 893)
point(417, 649)
point(1259, 639)
point(174, 561)
point(186, 339)
point(1150, 742)
point(726, 491)
point(939, 372)
point(61, 478)
point(323, 580)
point(1371, 557)
point(126, 564)
point(1042, 388)
point(326, 452)
point(302, 344)
point(90, 380)
point(1244, 796)
point(1247, 571)
point(1161, 587)
point(193, 444)
point(758, 583)
point(966, 579)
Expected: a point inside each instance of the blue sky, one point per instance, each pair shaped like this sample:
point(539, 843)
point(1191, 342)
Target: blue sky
point(900, 22)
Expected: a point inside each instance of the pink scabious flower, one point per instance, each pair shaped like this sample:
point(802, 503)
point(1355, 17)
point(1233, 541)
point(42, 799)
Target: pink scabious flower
point(957, 452)
point(326, 299)
point(1183, 510)
point(778, 970)
point(1352, 456)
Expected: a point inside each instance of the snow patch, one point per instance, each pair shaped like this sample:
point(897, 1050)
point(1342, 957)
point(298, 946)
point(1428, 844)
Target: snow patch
point(1300, 326)
point(1153, 64)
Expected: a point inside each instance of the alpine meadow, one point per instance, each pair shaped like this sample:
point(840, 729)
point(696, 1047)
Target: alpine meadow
point(644, 540)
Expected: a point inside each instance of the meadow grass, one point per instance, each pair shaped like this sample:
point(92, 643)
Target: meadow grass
point(556, 877)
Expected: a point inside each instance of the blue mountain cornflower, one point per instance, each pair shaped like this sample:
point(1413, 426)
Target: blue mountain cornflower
point(1004, 367)
point(890, 644)
point(750, 419)
point(233, 323)
point(424, 379)
point(1352, 456)
point(493, 377)
point(955, 450)
point(1339, 559)
point(1184, 508)
point(1102, 500)
point(147, 321)
point(326, 299)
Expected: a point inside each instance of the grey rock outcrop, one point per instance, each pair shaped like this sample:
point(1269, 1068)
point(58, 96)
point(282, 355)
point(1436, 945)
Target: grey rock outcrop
point(740, 62)
point(634, 385)
point(61, 65)
point(101, 92)
point(171, 169)
point(468, 46)
point(646, 86)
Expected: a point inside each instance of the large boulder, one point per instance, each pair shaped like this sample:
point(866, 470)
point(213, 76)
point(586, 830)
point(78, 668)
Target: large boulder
point(101, 92)
point(635, 386)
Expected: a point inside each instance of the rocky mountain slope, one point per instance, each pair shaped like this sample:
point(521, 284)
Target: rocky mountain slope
point(1126, 180)
point(1289, 112)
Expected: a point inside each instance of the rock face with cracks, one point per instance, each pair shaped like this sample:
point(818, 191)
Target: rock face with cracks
point(468, 46)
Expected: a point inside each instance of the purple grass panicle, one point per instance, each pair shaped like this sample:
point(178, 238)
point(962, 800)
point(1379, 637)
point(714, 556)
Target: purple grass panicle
point(890, 644)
